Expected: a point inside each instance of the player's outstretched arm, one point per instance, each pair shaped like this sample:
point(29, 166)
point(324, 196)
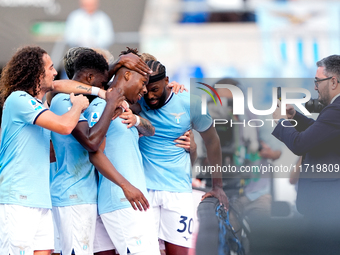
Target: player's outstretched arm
point(144, 126)
point(91, 138)
point(70, 86)
point(65, 123)
point(212, 143)
point(105, 167)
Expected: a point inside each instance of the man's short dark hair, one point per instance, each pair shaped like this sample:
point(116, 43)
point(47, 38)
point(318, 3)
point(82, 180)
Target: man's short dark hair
point(331, 65)
point(70, 57)
point(89, 59)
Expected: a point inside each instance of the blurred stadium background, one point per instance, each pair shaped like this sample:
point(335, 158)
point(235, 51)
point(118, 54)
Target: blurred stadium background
point(194, 38)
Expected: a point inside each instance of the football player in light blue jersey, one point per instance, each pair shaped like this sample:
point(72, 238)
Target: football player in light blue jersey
point(167, 166)
point(131, 231)
point(25, 202)
point(74, 187)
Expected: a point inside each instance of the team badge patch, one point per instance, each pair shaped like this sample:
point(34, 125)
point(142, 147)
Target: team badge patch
point(177, 116)
point(35, 104)
point(138, 240)
point(94, 118)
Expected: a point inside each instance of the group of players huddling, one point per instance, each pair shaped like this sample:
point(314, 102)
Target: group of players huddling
point(121, 180)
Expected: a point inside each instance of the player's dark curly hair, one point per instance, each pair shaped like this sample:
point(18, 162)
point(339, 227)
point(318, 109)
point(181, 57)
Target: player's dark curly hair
point(90, 59)
point(23, 72)
point(129, 50)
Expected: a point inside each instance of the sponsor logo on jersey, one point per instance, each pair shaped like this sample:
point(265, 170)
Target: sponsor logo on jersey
point(35, 104)
point(177, 116)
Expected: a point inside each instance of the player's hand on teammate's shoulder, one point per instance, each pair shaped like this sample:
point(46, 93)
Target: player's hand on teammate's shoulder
point(176, 87)
point(129, 118)
point(135, 197)
point(115, 98)
point(79, 101)
point(219, 193)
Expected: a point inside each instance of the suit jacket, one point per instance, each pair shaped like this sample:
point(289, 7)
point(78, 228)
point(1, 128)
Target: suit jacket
point(319, 143)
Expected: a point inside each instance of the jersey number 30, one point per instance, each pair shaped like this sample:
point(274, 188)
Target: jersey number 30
point(185, 225)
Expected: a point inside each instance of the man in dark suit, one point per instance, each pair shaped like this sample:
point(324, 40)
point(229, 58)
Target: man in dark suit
point(318, 141)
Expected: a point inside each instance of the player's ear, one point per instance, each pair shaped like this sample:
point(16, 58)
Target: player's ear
point(127, 75)
point(166, 80)
point(89, 77)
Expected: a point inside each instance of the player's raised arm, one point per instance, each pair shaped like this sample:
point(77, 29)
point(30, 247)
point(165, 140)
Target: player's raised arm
point(65, 123)
point(71, 86)
point(91, 138)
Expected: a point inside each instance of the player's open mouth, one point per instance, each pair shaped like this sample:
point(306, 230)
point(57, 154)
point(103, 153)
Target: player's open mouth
point(139, 96)
point(153, 101)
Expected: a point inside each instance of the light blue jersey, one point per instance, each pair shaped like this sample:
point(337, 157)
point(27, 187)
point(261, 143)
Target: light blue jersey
point(166, 166)
point(123, 152)
point(74, 182)
point(24, 154)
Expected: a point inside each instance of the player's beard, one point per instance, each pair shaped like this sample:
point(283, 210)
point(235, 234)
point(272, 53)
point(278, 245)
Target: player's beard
point(161, 101)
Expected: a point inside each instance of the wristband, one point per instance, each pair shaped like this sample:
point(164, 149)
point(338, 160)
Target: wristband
point(95, 91)
point(138, 120)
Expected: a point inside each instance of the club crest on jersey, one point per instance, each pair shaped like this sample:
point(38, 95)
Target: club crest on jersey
point(138, 240)
point(94, 118)
point(177, 116)
point(35, 104)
